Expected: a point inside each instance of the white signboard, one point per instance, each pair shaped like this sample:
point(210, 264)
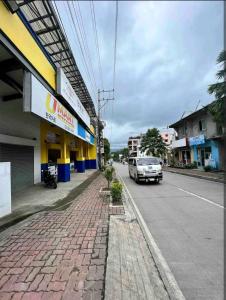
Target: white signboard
point(65, 89)
point(45, 105)
point(179, 143)
point(87, 136)
point(5, 188)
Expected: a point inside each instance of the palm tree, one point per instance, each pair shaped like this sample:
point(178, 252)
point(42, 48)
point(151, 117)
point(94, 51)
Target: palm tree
point(217, 108)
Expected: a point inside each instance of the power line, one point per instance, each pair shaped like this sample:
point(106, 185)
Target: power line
point(54, 1)
point(115, 46)
point(80, 46)
point(83, 39)
point(92, 8)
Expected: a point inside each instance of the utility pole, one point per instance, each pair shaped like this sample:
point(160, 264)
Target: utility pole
point(100, 106)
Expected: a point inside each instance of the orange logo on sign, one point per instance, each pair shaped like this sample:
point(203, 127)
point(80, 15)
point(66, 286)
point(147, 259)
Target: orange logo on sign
point(53, 107)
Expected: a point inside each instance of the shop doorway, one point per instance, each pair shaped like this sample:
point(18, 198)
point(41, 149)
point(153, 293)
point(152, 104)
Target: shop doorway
point(73, 166)
point(204, 156)
point(53, 155)
point(22, 165)
point(186, 157)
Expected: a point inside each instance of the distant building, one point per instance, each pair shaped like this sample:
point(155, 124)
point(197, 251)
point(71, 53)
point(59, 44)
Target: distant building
point(168, 136)
point(134, 144)
point(199, 140)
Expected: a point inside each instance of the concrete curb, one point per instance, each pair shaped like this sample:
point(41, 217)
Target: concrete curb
point(168, 279)
point(197, 176)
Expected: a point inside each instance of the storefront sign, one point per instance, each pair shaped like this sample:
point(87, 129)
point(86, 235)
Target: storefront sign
point(197, 140)
point(52, 138)
point(73, 144)
point(87, 136)
point(179, 143)
point(41, 102)
point(45, 105)
point(65, 89)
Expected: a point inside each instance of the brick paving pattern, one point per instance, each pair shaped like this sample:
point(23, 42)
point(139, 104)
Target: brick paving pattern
point(59, 254)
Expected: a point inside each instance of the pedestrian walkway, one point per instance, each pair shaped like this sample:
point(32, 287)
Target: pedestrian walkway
point(213, 176)
point(37, 197)
point(131, 270)
point(58, 254)
point(91, 250)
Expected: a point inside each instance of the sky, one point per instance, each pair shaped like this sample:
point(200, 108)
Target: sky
point(166, 58)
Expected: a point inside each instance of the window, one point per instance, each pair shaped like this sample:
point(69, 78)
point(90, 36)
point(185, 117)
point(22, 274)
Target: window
point(166, 135)
point(207, 152)
point(219, 129)
point(130, 161)
point(202, 125)
point(147, 161)
point(166, 140)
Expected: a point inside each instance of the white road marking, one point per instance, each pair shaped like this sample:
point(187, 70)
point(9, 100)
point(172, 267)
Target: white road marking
point(202, 198)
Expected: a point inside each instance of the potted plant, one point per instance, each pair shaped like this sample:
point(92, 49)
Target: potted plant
point(108, 174)
point(116, 192)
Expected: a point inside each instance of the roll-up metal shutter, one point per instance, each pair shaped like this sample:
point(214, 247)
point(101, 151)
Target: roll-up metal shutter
point(22, 165)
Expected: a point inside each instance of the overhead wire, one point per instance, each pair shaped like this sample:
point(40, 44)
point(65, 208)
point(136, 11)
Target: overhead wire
point(84, 39)
point(65, 34)
point(80, 46)
point(115, 45)
point(93, 17)
point(114, 64)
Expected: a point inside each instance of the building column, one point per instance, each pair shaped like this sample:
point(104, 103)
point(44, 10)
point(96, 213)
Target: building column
point(63, 163)
point(44, 148)
point(81, 167)
point(215, 153)
point(92, 156)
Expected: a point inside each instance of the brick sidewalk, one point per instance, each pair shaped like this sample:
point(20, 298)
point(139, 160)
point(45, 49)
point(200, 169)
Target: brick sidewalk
point(58, 254)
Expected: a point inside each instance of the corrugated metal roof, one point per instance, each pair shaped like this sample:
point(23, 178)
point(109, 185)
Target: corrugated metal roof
point(44, 22)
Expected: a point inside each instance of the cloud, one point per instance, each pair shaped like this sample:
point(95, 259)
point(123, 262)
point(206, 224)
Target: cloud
point(166, 58)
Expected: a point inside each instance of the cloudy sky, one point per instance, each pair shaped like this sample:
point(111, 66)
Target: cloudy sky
point(166, 58)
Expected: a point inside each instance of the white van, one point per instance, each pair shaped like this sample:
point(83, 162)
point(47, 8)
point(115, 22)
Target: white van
point(145, 168)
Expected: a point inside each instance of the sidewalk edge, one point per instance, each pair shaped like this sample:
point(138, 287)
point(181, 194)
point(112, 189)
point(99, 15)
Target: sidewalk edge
point(168, 278)
point(196, 176)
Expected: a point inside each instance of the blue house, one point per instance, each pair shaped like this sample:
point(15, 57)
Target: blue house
point(199, 140)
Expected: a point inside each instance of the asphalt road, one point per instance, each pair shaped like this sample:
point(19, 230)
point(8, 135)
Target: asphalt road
point(185, 217)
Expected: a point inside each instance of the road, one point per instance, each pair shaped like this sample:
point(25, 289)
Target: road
point(185, 217)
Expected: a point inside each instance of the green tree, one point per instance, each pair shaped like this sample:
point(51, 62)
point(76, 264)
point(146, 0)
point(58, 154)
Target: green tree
point(219, 91)
point(124, 152)
point(115, 155)
point(152, 143)
point(106, 150)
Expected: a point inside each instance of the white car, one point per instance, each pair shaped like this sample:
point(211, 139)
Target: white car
point(145, 168)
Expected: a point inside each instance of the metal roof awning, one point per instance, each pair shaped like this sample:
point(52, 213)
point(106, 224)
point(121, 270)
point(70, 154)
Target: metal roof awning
point(42, 19)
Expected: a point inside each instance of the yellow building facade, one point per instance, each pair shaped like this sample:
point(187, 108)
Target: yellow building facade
point(71, 150)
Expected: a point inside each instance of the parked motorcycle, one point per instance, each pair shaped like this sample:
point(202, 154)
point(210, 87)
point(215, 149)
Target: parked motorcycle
point(49, 179)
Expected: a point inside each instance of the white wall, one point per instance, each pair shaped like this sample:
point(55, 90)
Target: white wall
point(24, 126)
point(5, 187)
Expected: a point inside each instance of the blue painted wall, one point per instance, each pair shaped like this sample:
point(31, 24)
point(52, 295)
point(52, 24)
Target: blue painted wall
point(214, 151)
point(81, 131)
point(91, 139)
